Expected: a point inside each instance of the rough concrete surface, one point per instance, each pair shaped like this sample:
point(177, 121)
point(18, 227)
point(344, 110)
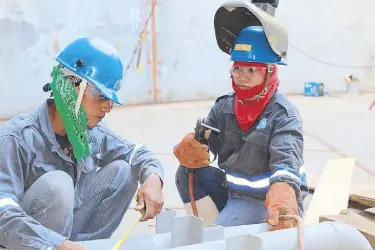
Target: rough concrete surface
point(335, 127)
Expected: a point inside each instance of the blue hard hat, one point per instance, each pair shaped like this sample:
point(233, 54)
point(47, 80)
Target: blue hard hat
point(96, 61)
point(252, 45)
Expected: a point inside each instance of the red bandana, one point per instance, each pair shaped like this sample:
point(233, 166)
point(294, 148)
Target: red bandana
point(248, 111)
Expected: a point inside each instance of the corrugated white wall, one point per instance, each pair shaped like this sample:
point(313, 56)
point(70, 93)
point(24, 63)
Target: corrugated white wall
point(191, 66)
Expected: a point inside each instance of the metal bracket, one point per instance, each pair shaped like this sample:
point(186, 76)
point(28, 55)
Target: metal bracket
point(187, 230)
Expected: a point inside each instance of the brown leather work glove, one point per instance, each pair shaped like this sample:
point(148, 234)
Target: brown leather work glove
point(191, 153)
point(281, 200)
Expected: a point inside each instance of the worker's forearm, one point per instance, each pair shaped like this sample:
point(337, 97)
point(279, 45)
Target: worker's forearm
point(146, 164)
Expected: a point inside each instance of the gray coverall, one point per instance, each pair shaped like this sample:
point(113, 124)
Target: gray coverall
point(45, 197)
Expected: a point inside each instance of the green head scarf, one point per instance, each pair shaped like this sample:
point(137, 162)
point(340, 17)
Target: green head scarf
point(68, 105)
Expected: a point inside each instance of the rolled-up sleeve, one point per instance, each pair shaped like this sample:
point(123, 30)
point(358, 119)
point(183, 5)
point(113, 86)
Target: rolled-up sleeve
point(136, 154)
point(17, 229)
point(286, 152)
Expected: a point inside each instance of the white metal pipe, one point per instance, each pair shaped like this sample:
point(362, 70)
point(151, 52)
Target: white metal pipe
point(325, 236)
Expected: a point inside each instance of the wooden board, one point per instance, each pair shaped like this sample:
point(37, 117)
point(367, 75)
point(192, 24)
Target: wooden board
point(370, 211)
point(364, 223)
point(362, 194)
point(331, 195)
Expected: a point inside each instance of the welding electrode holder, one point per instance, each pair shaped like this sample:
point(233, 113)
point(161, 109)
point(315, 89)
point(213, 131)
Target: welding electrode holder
point(200, 131)
point(200, 135)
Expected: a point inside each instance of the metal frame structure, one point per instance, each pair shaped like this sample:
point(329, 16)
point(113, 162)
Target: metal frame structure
point(188, 233)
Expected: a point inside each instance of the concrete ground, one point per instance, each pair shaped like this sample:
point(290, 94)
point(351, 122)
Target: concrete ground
point(335, 126)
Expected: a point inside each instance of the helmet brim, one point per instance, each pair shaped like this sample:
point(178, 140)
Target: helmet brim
point(108, 93)
point(282, 62)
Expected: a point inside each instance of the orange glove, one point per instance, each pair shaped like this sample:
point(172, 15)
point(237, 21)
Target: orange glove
point(191, 153)
point(281, 200)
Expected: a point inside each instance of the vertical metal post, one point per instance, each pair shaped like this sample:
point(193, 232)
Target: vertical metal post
point(187, 230)
point(154, 52)
point(164, 221)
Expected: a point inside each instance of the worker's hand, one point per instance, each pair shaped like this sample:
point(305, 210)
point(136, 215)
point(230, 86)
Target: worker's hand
point(150, 197)
point(70, 245)
point(281, 200)
point(191, 153)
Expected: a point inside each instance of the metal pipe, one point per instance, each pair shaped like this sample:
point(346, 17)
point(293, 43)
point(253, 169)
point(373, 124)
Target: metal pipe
point(154, 52)
point(325, 236)
point(301, 244)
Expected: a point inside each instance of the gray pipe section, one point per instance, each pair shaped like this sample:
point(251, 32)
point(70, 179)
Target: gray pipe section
point(322, 236)
point(187, 233)
point(325, 236)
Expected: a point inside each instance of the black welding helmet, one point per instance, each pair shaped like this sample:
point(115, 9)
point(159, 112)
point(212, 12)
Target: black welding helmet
point(235, 16)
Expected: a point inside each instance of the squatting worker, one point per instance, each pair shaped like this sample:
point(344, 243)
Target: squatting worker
point(64, 175)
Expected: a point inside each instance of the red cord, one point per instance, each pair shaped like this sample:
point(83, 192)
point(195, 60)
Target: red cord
point(300, 228)
point(191, 194)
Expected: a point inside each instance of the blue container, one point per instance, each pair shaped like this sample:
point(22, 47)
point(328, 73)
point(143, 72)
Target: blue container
point(314, 89)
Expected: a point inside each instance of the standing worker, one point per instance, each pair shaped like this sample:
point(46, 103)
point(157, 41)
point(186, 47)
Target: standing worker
point(259, 146)
point(64, 176)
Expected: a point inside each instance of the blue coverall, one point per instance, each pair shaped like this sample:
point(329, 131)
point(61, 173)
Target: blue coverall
point(249, 162)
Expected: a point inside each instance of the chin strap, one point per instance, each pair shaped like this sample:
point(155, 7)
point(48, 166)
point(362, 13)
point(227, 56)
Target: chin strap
point(76, 81)
point(82, 88)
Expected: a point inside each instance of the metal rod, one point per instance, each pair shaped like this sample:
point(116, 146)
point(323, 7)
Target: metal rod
point(154, 52)
point(212, 128)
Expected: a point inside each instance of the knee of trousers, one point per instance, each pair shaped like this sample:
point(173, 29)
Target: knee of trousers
point(182, 184)
point(60, 186)
point(53, 190)
point(124, 177)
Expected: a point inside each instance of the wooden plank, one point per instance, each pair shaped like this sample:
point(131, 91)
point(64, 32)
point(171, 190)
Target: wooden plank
point(364, 223)
point(331, 195)
point(362, 194)
point(370, 210)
